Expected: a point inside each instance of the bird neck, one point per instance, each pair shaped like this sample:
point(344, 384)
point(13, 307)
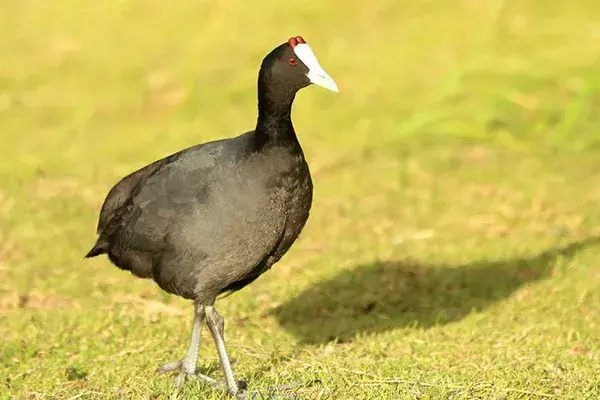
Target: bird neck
point(275, 113)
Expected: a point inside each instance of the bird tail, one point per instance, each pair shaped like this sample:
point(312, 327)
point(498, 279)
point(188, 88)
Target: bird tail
point(96, 250)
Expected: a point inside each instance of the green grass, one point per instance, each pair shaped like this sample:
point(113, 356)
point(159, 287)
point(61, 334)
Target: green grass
point(453, 244)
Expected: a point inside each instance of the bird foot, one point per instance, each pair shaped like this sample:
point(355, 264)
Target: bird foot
point(242, 393)
point(169, 367)
point(184, 372)
point(179, 366)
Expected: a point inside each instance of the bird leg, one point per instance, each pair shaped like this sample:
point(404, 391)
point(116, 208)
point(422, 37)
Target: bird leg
point(187, 366)
point(216, 324)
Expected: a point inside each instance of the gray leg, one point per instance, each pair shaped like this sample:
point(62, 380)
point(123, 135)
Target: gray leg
point(187, 366)
point(216, 325)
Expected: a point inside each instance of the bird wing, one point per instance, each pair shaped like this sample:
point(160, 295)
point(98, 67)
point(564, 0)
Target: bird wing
point(124, 190)
point(130, 195)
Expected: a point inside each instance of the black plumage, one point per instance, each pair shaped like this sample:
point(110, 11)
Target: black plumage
point(212, 218)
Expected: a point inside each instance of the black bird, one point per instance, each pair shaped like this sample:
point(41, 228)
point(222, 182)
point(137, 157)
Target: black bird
point(212, 218)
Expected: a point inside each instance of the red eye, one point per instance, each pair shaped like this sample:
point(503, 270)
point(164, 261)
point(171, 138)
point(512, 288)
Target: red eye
point(292, 61)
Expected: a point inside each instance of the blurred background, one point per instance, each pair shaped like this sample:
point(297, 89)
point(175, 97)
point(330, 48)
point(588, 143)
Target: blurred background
point(451, 246)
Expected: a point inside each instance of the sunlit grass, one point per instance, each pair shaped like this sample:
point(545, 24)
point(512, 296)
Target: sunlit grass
point(452, 246)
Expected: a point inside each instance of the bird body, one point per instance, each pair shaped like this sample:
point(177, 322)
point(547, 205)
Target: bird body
point(211, 218)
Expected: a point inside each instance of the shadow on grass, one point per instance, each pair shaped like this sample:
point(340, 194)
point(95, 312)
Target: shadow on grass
point(390, 294)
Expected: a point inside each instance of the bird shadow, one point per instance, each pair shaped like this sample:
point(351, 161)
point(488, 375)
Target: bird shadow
point(385, 295)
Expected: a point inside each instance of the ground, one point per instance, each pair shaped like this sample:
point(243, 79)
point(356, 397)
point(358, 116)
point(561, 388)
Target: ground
point(452, 249)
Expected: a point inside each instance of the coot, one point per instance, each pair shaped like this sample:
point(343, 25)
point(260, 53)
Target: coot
point(212, 218)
